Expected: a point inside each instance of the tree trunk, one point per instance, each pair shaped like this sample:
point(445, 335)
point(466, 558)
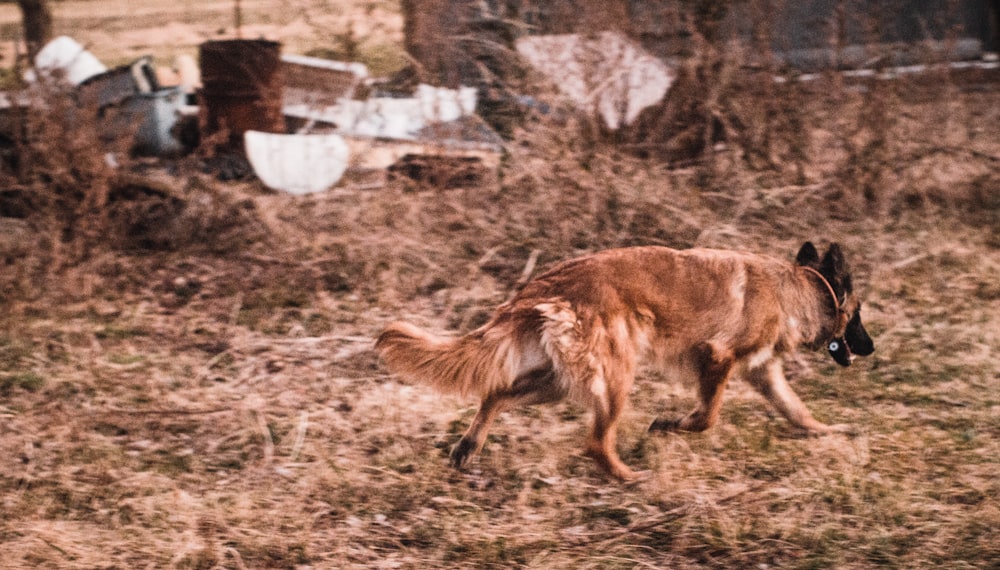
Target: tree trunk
point(37, 19)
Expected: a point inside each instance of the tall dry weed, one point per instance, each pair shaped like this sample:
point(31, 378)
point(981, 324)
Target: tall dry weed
point(65, 171)
point(75, 191)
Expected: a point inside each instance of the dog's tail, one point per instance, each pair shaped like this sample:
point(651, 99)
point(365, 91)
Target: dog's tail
point(478, 363)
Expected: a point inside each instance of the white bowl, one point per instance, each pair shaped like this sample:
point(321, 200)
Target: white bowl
point(297, 163)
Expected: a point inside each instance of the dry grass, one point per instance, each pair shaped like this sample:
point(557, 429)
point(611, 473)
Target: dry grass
point(171, 404)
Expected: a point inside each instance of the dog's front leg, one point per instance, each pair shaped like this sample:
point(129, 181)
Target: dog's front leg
point(714, 366)
point(769, 380)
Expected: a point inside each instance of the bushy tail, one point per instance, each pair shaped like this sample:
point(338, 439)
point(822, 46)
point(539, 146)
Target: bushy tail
point(478, 363)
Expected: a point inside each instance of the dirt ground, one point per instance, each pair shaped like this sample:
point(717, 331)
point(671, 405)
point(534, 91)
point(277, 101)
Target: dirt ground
point(206, 396)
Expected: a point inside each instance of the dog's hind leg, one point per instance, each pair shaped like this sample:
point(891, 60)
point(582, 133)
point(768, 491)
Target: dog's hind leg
point(610, 393)
point(603, 438)
point(770, 381)
point(536, 386)
point(714, 366)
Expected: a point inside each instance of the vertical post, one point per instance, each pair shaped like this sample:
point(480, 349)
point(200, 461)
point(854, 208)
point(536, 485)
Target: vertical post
point(993, 26)
point(238, 20)
point(37, 19)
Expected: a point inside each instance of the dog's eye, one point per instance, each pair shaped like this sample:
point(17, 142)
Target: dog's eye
point(834, 346)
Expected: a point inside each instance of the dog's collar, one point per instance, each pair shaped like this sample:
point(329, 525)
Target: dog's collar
point(833, 294)
point(838, 307)
point(836, 344)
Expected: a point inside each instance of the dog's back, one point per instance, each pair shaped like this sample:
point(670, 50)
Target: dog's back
point(670, 300)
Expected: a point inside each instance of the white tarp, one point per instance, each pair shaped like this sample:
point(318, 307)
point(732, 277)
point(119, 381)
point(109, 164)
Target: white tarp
point(606, 73)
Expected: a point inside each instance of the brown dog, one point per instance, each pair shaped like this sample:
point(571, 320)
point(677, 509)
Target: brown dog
point(580, 329)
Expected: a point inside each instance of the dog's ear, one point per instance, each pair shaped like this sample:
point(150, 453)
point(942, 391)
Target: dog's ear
point(808, 255)
point(833, 264)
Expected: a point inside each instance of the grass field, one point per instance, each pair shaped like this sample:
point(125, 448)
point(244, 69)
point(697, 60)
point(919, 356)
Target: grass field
point(205, 394)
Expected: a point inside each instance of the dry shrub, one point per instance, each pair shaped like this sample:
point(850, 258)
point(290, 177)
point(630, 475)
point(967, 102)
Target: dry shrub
point(876, 146)
point(75, 192)
point(64, 169)
point(192, 214)
point(563, 193)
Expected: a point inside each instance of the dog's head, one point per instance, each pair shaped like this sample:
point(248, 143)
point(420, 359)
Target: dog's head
point(849, 337)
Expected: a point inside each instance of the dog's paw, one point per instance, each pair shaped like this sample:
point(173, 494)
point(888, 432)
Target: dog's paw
point(665, 425)
point(461, 453)
point(824, 429)
point(846, 429)
point(636, 477)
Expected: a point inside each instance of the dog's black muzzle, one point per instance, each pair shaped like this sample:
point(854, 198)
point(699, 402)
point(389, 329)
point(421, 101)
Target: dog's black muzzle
point(854, 342)
point(840, 352)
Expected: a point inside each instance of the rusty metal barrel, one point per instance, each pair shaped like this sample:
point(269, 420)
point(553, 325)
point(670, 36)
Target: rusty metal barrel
point(242, 88)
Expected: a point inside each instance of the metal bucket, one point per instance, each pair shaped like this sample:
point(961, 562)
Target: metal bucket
point(242, 88)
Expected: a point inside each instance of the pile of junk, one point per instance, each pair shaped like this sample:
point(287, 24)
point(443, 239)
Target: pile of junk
point(300, 122)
